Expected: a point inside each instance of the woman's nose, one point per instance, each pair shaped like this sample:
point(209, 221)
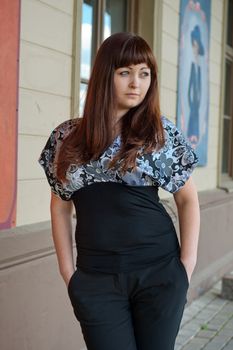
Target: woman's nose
point(134, 82)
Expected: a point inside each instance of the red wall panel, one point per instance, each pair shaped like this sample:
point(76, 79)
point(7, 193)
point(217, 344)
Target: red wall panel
point(9, 66)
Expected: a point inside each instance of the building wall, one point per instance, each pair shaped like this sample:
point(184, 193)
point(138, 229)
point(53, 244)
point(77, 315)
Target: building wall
point(33, 298)
point(44, 96)
point(45, 91)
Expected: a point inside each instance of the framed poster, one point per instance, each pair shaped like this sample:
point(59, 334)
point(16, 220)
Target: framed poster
point(193, 74)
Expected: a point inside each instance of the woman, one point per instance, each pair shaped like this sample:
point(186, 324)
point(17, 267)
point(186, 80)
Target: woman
point(129, 287)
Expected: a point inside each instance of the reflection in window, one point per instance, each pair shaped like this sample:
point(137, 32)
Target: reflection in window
point(228, 96)
point(226, 139)
point(87, 43)
point(114, 17)
point(227, 119)
point(82, 96)
point(87, 37)
point(100, 19)
point(230, 23)
point(107, 25)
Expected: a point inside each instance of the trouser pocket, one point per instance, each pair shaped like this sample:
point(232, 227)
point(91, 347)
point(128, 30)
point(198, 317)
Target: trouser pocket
point(183, 269)
point(74, 284)
point(89, 292)
point(71, 280)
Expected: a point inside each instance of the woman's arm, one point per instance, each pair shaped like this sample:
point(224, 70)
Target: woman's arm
point(61, 217)
point(189, 221)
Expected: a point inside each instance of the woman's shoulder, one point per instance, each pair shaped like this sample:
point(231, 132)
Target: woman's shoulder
point(62, 130)
point(172, 165)
point(49, 154)
point(171, 131)
point(168, 124)
point(55, 139)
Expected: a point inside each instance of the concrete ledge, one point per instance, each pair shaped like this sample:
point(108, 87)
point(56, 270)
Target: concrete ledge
point(227, 286)
point(25, 243)
point(204, 278)
point(215, 254)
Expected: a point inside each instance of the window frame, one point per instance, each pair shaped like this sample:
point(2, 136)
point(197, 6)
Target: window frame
point(131, 25)
point(226, 179)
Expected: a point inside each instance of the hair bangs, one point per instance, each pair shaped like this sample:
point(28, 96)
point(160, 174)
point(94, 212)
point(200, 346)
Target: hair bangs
point(134, 51)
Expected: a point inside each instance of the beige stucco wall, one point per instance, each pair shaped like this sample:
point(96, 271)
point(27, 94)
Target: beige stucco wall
point(45, 90)
point(44, 95)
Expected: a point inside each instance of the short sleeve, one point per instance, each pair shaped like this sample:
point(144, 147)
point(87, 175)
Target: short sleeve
point(48, 157)
point(175, 161)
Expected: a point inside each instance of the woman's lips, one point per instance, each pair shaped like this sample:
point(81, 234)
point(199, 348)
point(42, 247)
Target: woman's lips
point(132, 94)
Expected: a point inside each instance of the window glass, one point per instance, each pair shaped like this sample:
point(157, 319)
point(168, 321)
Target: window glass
point(227, 136)
point(225, 148)
point(114, 17)
point(82, 96)
point(228, 87)
point(230, 23)
point(227, 119)
point(88, 12)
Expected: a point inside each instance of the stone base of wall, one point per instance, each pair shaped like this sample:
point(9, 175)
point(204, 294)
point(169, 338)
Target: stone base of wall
point(35, 309)
point(215, 248)
point(227, 286)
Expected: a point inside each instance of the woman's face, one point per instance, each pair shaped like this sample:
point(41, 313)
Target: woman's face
point(131, 85)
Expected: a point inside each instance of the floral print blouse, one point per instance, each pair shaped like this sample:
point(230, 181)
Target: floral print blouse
point(168, 168)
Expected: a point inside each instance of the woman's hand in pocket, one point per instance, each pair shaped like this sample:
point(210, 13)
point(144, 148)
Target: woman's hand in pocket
point(67, 277)
point(189, 266)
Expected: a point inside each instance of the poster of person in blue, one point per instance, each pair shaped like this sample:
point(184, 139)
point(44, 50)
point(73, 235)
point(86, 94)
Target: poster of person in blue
point(194, 91)
point(193, 74)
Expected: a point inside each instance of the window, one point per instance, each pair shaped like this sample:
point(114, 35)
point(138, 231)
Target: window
point(227, 123)
point(100, 19)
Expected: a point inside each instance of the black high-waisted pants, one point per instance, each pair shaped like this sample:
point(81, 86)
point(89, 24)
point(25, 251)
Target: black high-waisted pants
point(136, 310)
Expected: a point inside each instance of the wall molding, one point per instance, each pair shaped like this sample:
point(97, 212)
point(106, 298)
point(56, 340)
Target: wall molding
point(25, 244)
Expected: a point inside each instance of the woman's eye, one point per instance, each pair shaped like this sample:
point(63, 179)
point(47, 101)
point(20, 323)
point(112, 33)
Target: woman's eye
point(142, 74)
point(145, 74)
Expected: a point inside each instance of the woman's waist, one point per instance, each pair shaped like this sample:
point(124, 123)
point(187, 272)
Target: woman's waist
point(124, 235)
point(124, 260)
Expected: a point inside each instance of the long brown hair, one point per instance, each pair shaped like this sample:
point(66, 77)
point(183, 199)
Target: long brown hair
point(141, 125)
